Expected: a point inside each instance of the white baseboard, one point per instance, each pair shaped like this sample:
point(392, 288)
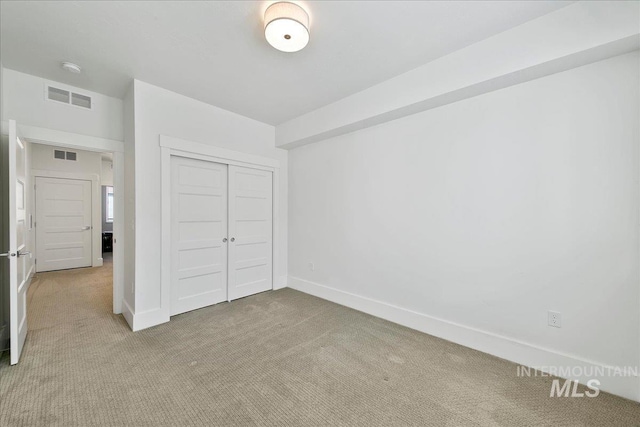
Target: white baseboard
point(497, 345)
point(149, 318)
point(143, 320)
point(127, 312)
point(280, 282)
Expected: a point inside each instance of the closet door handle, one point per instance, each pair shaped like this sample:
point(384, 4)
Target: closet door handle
point(224, 240)
point(233, 239)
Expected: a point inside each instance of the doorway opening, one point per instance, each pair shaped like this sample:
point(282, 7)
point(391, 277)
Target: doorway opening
point(73, 207)
point(74, 214)
point(67, 227)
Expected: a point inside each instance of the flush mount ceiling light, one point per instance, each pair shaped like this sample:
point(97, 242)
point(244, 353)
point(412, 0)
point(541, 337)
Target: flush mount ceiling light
point(286, 26)
point(71, 67)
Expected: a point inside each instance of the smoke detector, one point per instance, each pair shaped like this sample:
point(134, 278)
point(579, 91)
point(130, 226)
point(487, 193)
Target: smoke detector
point(71, 67)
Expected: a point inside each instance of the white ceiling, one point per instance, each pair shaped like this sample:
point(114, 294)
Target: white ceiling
point(216, 52)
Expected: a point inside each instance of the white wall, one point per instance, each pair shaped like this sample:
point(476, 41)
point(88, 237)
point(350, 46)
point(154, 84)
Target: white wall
point(575, 35)
point(106, 172)
point(485, 214)
point(87, 162)
point(161, 112)
point(25, 102)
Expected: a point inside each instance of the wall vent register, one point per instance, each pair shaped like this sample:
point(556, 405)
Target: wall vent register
point(65, 155)
point(68, 97)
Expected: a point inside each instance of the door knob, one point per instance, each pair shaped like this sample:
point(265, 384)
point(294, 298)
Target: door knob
point(233, 239)
point(224, 240)
point(8, 254)
point(86, 227)
point(19, 254)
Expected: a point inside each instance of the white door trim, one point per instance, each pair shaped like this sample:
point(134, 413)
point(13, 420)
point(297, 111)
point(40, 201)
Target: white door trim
point(62, 139)
point(40, 135)
point(96, 220)
point(170, 146)
point(217, 154)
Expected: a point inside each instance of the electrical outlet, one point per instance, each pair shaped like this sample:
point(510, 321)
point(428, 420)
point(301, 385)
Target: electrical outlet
point(554, 319)
point(311, 266)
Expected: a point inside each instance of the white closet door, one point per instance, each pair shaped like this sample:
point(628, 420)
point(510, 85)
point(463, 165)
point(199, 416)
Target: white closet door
point(198, 234)
point(250, 231)
point(63, 223)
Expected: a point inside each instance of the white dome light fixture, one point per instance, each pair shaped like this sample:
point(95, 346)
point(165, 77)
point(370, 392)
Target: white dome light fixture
point(286, 26)
point(71, 67)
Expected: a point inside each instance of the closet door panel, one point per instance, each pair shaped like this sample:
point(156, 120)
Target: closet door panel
point(250, 231)
point(199, 194)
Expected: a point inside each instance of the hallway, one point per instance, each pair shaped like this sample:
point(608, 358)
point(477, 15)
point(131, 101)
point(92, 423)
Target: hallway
point(71, 298)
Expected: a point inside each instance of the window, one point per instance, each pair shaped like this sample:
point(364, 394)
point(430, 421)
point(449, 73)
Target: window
point(109, 204)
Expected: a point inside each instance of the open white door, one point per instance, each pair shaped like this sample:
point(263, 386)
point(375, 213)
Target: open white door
point(17, 253)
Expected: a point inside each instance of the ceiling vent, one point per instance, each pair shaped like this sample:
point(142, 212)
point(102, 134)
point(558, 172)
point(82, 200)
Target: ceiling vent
point(68, 97)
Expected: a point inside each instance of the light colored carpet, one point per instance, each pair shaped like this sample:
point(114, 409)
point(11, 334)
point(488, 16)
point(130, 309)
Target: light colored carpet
point(278, 358)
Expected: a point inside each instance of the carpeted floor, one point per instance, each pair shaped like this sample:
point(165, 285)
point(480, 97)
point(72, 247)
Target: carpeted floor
point(278, 358)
